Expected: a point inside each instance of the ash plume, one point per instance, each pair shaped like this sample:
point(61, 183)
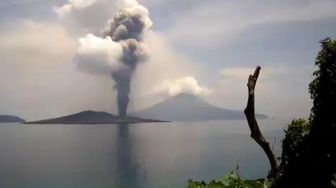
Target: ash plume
point(126, 28)
point(120, 49)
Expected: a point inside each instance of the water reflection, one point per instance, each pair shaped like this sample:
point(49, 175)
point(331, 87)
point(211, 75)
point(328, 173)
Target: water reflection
point(129, 172)
point(129, 156)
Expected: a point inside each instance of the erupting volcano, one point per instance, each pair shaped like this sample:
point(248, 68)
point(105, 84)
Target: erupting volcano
point(119, 50)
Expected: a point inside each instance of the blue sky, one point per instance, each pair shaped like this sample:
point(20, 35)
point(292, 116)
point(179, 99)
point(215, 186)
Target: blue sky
point(216, 43)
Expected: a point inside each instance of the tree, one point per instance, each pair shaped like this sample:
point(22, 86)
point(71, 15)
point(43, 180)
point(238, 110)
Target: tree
point(322, 137)
point(254, 127)
point(309, 149)
point(293, 152)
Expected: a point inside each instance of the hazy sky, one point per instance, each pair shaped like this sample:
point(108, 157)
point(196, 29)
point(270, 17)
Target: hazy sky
point(207, 48)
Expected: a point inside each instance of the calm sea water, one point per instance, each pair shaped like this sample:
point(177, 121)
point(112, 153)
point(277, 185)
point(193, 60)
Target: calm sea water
point(156, 155)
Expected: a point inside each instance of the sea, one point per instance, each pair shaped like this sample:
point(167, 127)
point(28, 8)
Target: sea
point(147, 155)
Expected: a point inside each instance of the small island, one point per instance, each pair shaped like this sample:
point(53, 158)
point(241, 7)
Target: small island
point(93, 117)
point(10, 119)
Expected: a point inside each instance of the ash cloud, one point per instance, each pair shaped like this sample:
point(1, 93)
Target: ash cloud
point(187, 84)
point(119, 51)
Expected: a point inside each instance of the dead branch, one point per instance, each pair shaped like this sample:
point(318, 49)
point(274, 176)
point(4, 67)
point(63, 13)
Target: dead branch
point(254, 127)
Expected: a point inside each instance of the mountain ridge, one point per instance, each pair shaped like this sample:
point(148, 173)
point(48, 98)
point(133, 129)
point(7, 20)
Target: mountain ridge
point(93, 117)
point(10, 119)
point(187, 107)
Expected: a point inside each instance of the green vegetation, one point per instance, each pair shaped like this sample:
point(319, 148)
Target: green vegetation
point(308, 150)
point(232, 180)
point(309, 153)
point(293, 150)
point(293, 147)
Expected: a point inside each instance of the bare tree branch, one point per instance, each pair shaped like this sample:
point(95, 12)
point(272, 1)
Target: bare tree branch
point(254, 127)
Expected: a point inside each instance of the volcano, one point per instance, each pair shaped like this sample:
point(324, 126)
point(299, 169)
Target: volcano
point(10, 119)
point(186, 107)
point(93, 117)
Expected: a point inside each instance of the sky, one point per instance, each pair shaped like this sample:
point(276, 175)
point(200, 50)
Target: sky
point(205, 48)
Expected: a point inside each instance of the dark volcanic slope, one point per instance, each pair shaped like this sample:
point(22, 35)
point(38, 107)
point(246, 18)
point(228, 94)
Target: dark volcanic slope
point(185, 107)
point(92, 117)
point(10, 119)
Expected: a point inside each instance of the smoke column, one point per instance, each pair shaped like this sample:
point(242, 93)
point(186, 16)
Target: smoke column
point(127, 29)
point(120, 49)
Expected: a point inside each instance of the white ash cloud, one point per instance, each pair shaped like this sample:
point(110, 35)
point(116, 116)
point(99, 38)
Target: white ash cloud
point(186, 84)
point(119, 50)
point(98, 55)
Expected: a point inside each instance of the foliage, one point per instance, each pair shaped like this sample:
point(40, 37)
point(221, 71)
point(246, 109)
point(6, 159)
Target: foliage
point(295, 135)
point(232, 180)
point(308, 149)
point(322, 137)
point(323, 88)
point(309, 153)
point(293, 150)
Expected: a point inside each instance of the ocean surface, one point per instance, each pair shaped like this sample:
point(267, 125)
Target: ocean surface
point(152, 155)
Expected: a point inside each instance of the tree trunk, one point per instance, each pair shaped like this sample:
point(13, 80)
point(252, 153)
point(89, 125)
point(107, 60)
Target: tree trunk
point(254, 127)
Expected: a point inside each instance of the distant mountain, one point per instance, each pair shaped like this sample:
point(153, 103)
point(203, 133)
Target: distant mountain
point(186, 107)
point(10, 119)
point(92, 117)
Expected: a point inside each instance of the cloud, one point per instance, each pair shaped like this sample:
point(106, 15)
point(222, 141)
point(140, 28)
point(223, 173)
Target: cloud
point(243, 72)
point(217, 22)
point(30, 38)
point(122, 37)
point(86, 16)
point(122, 49)
point(98, 55)
point(90, 16)
point(41, 59)
point(280, 91)
point(186, 84)
point(74, 5)
point(164, 63)
point(38, 77)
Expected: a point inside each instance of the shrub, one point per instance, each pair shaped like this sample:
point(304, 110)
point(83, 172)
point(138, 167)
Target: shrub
point(293, 152)
point(232, 180)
